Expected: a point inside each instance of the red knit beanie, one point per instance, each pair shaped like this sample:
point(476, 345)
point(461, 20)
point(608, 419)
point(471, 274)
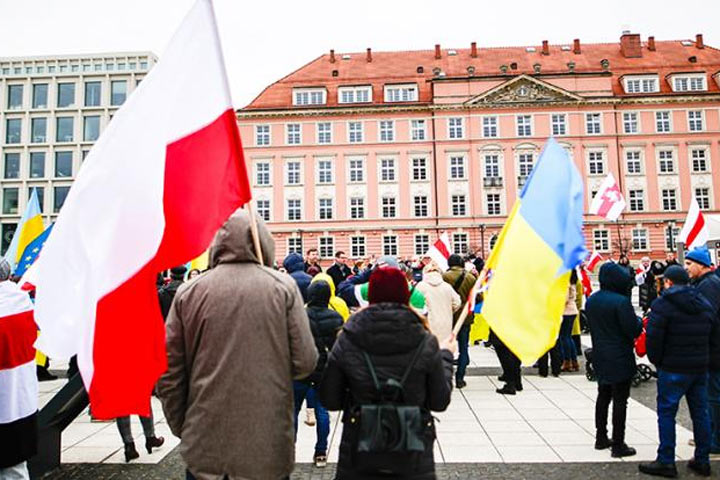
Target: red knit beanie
point(388, 284)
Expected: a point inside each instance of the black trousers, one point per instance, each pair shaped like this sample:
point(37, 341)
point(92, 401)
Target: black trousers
point(618, 393)
point(555, 361)
point(508, 361)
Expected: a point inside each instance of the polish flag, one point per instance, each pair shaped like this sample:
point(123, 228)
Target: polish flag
point(594, 259)
point(440, 251)
point(608, 201)
point(586, 284)
point(694, 232)
point(164, 176)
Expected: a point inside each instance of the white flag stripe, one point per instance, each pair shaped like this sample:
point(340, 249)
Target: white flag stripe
point(19, 392)
point(694, 221)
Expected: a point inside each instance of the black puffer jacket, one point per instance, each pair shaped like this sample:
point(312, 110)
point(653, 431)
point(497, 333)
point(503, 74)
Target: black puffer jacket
point(678, 329)
point(709, 286)
point(167, 295)
point(324, 324)
point(390, 333)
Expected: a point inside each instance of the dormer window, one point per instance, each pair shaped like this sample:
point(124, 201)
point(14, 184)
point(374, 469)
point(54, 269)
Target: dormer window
point(641, 84)
point(355, 94)
point(692, 82)
point(401, 93)
point(309, 96)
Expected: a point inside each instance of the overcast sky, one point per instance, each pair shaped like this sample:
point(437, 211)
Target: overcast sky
point(265, 40)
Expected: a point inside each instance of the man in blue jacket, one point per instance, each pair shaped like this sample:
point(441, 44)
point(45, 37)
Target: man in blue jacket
point(677, 344)
point(295, 266)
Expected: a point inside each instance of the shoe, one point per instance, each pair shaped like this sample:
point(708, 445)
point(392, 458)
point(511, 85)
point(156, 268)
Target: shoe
point(702, 469)
point(153, 442)
point(506, 390)
point(310, 417)
point(619, 451)
point(574, 366)
point(320, 460)
point(43, 375)
point(460, 384)
point(501, 378)
point(566, 366)
point(130, 452)
point(519, 388)
point(659, 469)
point(601, 443)
point(543, 375)
point(556, 374)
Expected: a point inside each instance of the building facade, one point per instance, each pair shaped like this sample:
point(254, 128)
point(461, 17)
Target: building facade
point(380, 152)
point(52, 110)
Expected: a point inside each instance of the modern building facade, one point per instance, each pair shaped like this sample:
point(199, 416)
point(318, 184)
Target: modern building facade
point(52, 109)
point(380, 152)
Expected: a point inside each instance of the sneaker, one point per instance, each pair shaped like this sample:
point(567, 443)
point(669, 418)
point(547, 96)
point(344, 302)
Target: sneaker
point(320, 460)
point(310, 417)
point(619, 451)
point(601, 443)
point(659, 469)
point(506, 390)
point(460, 384)
point(702, 469)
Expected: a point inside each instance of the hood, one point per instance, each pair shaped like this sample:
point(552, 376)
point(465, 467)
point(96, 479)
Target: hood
point(433, 278)
point(318, 294)
point(294, 263)
point(686, 299)
point(615, 278)
point(327, 279)
point(385, 329)
point(233, 242)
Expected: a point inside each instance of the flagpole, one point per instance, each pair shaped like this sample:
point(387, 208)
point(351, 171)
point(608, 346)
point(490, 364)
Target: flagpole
point(620, 242)
point(464, 313)
point(254, 231)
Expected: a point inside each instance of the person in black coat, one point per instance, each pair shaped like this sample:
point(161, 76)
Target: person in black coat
point(167, 292)
point(338, 271)
point(613, 327)
point(295, 266)
point(390, 332)
point(624, 262)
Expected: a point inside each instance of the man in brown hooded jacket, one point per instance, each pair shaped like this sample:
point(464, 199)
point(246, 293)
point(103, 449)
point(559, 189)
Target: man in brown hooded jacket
point(236, 338)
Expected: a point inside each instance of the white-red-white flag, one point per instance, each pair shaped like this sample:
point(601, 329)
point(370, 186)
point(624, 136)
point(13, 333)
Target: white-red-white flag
point(609, 201)
point(694, 232)
point(594, 259)
point(164, 176)
point(440, 251)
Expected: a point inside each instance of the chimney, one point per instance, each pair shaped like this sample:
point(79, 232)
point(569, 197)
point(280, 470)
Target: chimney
point(473, 50)
point(437, 52)
point(699, 41)
point(369, 55)
point(576, 46)
point(651, 44)
point(546, 48)
point(630, 45)
point(332, 56)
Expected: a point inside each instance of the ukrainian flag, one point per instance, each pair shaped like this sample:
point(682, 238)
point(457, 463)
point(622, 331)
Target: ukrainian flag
point(540, 243)
point(29, 228)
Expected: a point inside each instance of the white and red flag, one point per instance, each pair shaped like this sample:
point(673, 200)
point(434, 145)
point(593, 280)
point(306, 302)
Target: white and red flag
point(609, 201)
point(594, 259)
point(440, 251)
point(694, 232)
point(164, 176)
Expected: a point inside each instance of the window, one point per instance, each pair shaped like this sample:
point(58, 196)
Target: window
point(355, 132)
point(38, 130)
point(417, 130)
point(387, 130)
point(601, 240)
point(263, 209)
point(324, 132)
point(325, 208)
point(324, 171)
point(262, 173)
point(662, 122)
point(525, 164)
point(390, 245)
point(388, 207)
point(387, 170)
point(13, 130)
point(327, 247)
point(697, 84)
point(702, 195)
point(641, 85)
point(492, 203)
point(401, 93)
point(40, 196)
point(422, 244)
point(524, 125)
point(671, 234)
point(420, 205)
point(559, 124)
point(630, 122)
point(91, 128)
point(37, 164)
point(490, 127)
point(460, 243)
point(15, 97)
point(637, 200)
point(457, 167)
point(357, 247)
point(354, 94)
point(633, 162)
point(309, 97)
point(458, 205)
point(60, 194)
point(118, 92)
point(699, 160)
point(292, 170)
point(666, 161)
point(294, 210)
point(357, 170)
point(669, 201)
point(632, 86)
point(695, 120)
point(40, 95)
point(64, 129)
point(455, 128)
point(357, 208)
point(12, 165)
point(65, 95)
point(93, 93)
point(689, 84)
point(419, 169)
point(63, 164)
point(292, 134)
point(639, 239)
point(262, 135)
point(295, 245)
point(10, 200)
point(492, 165)
point(596, 163)
point(593, 123)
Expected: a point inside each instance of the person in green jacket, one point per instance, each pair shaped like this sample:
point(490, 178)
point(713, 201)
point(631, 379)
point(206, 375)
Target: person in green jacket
point(462, 282)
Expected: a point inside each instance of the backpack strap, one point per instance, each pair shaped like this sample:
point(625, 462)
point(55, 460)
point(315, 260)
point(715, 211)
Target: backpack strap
point(459, 281)
point(372, 370)
point(409, 368)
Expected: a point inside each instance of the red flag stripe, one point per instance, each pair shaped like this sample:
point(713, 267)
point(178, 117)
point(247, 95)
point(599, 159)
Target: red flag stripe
point(442, 248)
point(17, 335)
point(696, 229)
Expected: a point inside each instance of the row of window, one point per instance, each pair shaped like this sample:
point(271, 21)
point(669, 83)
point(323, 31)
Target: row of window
point(36, 165)
point(64, 129)
point(651, 83)
point(640, 239)
point(11, 197)
point(636, 199)
point(65, 95)
point(355, 94)
point(75, 67)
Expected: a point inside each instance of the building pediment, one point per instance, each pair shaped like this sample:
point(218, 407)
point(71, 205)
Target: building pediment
point(524, 89)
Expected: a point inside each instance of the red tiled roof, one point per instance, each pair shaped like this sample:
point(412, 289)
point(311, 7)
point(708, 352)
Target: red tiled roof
point(398, 67)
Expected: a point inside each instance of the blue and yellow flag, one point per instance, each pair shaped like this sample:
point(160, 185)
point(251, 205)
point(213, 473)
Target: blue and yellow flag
point(31, 252)
point(29, 228)
point(540, 243)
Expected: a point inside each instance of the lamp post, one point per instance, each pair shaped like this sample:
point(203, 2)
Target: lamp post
point(482, 239)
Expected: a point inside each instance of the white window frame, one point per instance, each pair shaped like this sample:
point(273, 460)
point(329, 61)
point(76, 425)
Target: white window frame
point(323, 208)
point(705, 158)
point(588, 123)
point(642, 85)
point(350, 132)
point(417, 133)
point(382, 169)
point(406, 92)
point(362, 206)
point(257, 173)
point(259, 135)
point(590, 161)
point(360, 170)
point(319, 173)
point(631, 123)
point(421, 243)
point(319, 136)
point(416, 205)
point(460, 243)
point(462, 167)
point(260, 209)
point(385, 134)
point(328, 248)
point(600, 241)
point(295, 248)
point(659, 121)
point(639, 236)
point(521, 164)
point(423, 168)
point(295, 135)
point(299, 172)
point(690, 80)
point(391, 205)
point(632, 198)
point(453, 203)
point(390, 241)
point(287, 209)
point(703, 205)
point(701, 119)
point(354, 92)
point(554, 123)
point(455, 128)
point(358, 246)
point(498, 205)
point(524, 130)
point(492, 128)
point(675, 198)
point(487, 166)
point(310, 92)
point(639, 160)
point(663, 161)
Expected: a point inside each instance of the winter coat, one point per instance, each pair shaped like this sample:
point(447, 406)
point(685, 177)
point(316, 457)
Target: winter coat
point(390, 333)
point(613, 326)
point(709, 286)
point(442, 301)
point(451, 277)
point(166, 295)
point(295, 266)
point(647, 291)
point(336, 303)
point(325, 325)
point(346, 289)
point(571, 301)
point(236, 339)
point(631, 273)
point(678, 329)
point(338, 273)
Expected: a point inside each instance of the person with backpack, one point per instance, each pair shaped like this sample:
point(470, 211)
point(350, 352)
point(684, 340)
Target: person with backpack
point(387, 372)
point(462, 282)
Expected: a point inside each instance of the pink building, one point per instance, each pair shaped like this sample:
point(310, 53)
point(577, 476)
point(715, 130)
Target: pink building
point(379, 152)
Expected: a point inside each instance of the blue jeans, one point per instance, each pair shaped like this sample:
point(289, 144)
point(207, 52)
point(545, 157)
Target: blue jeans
point(463, 339)
point(322, 425)
point(567, 345)
point(310, 398)
point(714, 406)
point(671, 387)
